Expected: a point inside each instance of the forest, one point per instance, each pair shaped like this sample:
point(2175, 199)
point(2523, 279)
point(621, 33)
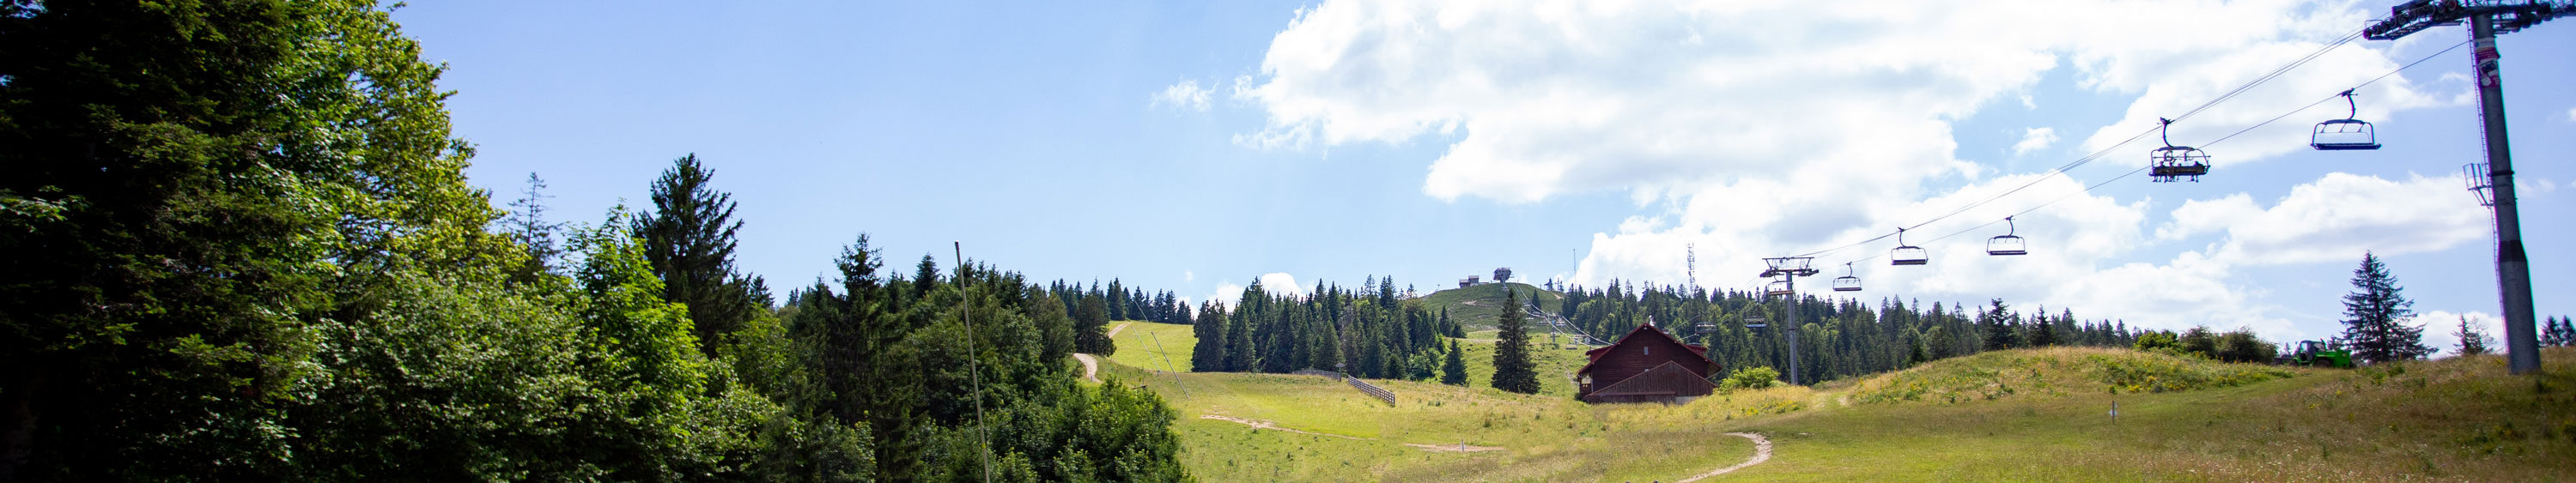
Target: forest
point(243, 247)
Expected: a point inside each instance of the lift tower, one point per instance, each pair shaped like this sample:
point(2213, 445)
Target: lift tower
point(2486, 19)
point(1788, 269)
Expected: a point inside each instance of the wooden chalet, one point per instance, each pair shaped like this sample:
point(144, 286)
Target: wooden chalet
point(1646, 365)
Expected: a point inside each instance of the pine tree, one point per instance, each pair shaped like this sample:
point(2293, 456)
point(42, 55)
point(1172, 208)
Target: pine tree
point(527, 225)
point(2472, 341)
point(1997, 320)
point(1209, 354)
point(1091, 327)
point(689, 238)
point(1513, 369)
point(2557, 332)
point(1453, 370)
point(2376, 314)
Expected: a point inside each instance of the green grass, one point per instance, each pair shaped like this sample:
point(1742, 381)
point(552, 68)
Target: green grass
point(2454, 419)
point(1148, 345)
point(1477, 307)
point(1556, 362)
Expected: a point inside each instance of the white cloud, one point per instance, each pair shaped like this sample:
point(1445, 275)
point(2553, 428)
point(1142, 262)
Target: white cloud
point(2571, 114)
point(2441, 329)
point(1227, 294)
point(2335, 219)
point(1759, 128)
point(1188, 276)
point(2034, 139)
point(1185, 95)
point(1281, 283)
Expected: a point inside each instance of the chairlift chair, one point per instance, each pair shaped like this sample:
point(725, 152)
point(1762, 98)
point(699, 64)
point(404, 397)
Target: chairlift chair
point(1756, 322)
point(2172, 162)
point(2008, 244)
point(1908, 254)
point(1778, 288)
point(2347, 134)
point(1847, 282)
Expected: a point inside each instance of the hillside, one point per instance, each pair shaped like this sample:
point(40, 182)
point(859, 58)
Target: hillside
point(1478, 306)
point(2006, 415)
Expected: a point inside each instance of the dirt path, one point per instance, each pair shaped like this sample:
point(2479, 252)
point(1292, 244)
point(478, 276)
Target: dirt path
point(1090, 363)
point(1090, 367)
point(1454, 448)
point(1259, 424)
point(1761, 453)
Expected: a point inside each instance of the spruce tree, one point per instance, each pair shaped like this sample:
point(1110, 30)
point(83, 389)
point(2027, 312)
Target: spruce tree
point(2472, 341)
point(1513, 369)
point(1209, 354)
point(527, 225)
point(2557, 332)
point(689, 238)
point(1453, 370)
point(2375, 316)
point(1091, 326)
point(1997, 321)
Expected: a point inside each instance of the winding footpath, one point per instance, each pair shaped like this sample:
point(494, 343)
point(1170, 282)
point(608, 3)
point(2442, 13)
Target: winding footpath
point(1761, 453)
point(1091, 364)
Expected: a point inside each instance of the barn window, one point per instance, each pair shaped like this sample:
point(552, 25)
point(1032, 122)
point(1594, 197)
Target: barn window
point(1648, 350)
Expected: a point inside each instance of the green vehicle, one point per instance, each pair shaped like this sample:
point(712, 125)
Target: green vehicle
point(2317, 354)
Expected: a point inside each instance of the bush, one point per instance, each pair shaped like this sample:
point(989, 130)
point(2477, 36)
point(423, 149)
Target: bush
point(1753, 378)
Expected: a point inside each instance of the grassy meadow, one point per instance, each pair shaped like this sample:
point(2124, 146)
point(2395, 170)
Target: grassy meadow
point(2009, 415)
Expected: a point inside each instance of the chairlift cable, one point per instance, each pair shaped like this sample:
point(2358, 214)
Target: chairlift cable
point(2213, 142)
point(2105, 151)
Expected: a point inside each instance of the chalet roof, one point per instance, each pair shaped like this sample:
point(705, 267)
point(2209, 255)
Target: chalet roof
point(1594, 356)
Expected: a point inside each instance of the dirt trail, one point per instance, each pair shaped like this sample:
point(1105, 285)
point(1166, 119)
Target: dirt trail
point(1761, 453)
point(1090, 363)
point(1454, 448)
point(1090, 367)
point(1259, 424)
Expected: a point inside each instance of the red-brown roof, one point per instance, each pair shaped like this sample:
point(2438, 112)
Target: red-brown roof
point(1594, 356)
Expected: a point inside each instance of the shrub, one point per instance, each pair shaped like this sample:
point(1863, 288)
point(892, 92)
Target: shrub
point(1753, 378)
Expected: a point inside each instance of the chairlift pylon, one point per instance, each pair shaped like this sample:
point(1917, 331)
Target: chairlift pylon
point(1847, 282)
point(2008, 244)
point(1907, 254)
point(2172, 162)
point(2347, 134)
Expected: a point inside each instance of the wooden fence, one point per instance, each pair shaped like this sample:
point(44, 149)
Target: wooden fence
point(1365, 388)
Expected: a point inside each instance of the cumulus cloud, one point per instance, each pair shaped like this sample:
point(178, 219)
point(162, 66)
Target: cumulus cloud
point(2571, 114)
point(1281, 283)
point(2441, 329)
point(1227, 293)
point(1185, 95)
point(1762, 128)
point(1189, 276)
point(2034, 139)
point(2335, 219)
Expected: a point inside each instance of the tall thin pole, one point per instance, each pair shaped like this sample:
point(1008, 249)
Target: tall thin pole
point(1793, 329)
point(2513, 268)
point(966, 311)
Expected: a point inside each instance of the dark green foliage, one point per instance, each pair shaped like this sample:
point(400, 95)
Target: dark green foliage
point(1453, 367)
point(2002, 327)
point(2375, 316)
point(1513, 369)
point(2558, 332)
point(1091, 326)
point(689, 237)
point(1208, 355)
point(2158, 341)
point(242, 248)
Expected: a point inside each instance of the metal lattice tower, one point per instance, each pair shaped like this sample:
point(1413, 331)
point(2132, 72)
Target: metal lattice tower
point(1690, 264)
point(2486, 19)
point(1788, 269)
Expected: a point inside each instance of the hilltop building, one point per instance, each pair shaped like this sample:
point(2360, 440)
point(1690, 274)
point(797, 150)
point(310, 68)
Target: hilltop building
point(1470, 281)
point(1647, 365)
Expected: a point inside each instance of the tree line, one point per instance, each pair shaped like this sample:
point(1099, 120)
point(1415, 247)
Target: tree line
point(1368, 332)
point(243, 248)
point(1838, 337)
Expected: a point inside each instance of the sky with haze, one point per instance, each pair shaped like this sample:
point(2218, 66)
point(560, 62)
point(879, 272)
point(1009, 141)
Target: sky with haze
point(1197, 146)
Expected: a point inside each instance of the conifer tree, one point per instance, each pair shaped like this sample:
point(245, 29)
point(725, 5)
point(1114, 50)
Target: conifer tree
point(1997, 320)
point(1513, 369)
point(2472, 341)
point(2375, 316)
point(1209, 354)
point(1453, 371)
point(689, 238)
point(2557, 332)
point(1091, 327)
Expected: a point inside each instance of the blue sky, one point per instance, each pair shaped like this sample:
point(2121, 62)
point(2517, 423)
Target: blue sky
point(1194, 146)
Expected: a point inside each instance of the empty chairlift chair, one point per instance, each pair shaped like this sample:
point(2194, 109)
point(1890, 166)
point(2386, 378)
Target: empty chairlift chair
point(1847, 282)
point(2347, 134)
point(2008, 244)
point(1778, 288)
point(2172, 162)
point(1907, 254)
